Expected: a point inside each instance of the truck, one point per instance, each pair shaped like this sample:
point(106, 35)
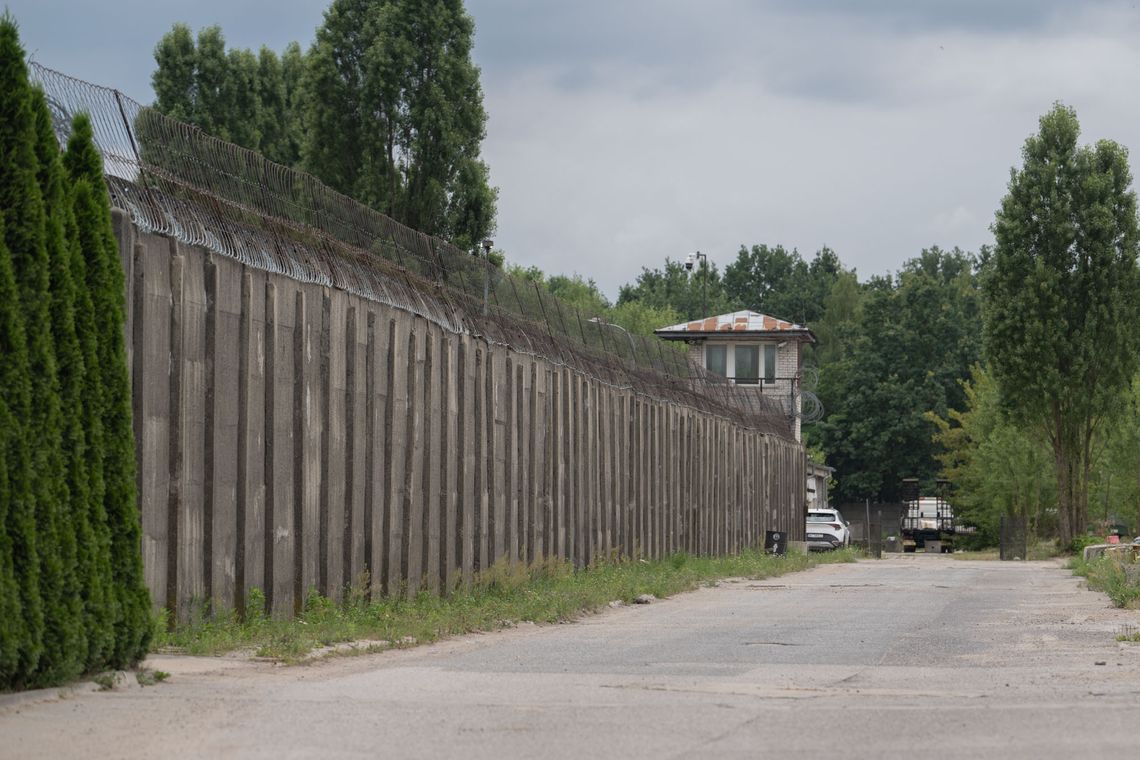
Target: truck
point(927, 522)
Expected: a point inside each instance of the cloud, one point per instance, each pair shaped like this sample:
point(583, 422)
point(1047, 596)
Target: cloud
point(825, 129)
point(113, 44)
point(908, 16)
point(624, 132)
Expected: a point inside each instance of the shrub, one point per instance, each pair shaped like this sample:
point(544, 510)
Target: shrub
point(72, 597)
point(1113, 574)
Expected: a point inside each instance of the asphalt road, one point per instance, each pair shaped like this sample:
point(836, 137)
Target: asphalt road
point(913, 654)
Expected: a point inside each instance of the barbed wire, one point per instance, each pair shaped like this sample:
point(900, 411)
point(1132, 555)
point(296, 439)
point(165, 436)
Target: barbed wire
point(173, 179)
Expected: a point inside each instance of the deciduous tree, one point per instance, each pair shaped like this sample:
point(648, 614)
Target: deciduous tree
point(386, 108)
point(1062, 298)
point(692, 293)
point(394, 114)
point(996, 467)
point(778, 282)
point(915, 338)
point(175, 78)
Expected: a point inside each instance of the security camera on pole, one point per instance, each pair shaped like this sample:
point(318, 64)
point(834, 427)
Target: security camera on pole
point(690, 262)
point(487, 245)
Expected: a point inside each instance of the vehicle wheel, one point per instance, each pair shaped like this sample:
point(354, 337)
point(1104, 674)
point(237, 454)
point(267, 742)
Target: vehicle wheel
point(908, 549)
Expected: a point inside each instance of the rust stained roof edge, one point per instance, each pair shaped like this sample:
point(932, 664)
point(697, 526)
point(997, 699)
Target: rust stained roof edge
point(799, 333)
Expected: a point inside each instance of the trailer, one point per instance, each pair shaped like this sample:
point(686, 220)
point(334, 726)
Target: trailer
point(927, 523)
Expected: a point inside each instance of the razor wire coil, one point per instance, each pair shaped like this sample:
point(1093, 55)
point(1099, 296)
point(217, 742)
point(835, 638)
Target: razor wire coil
point(173, 179)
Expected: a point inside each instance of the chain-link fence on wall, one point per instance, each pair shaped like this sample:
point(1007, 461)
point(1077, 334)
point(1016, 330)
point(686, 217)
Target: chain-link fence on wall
point(173, 179)
point(867, 523)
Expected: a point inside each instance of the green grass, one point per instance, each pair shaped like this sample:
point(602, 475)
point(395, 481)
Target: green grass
point(1040, 550)
point(108, 680)
point(1109, 574)
point(501, 597)
point(1129, 633)
point(148, 677)
point(975, 554)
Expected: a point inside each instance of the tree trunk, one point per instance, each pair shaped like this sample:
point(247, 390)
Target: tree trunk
point(1064, 503)
point(1072, 466)
point(1081, 515)
point(1066, 507)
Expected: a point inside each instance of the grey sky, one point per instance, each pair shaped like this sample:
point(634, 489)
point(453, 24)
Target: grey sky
point(624, 132)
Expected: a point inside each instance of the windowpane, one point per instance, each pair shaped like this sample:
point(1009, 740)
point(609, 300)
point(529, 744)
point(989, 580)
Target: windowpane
point(769, 363)
point(747, 364)
point(716, 360)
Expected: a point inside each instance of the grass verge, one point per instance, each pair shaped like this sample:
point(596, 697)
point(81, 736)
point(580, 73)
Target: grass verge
point(500, 597)
point(1114, 575)
point(1041, 550)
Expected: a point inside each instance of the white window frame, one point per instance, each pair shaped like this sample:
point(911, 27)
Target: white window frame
point(730, 358)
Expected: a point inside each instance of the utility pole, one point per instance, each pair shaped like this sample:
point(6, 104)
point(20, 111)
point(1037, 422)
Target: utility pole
point(487, 243)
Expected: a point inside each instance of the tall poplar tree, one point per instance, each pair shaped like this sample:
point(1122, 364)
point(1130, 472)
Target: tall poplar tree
point(276, 82)
point(386, 107)
point(292, 75)
point(394, 114)
point(174, 81)
point(1062, 294)
point(239, 96)
point(211, 109)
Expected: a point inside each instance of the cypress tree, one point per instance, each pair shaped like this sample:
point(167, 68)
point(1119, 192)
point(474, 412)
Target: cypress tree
point(10, 616)
point(101, 639)
point(21, 617)
point(21, 209)
point(86, 557)
point(26, 227)
point(106, 286)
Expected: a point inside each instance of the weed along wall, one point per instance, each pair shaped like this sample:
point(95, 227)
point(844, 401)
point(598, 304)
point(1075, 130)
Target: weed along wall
point(292, 436)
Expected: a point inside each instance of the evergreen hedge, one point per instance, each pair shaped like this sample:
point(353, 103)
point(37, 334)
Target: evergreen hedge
point(72, 597)
point(106, 284)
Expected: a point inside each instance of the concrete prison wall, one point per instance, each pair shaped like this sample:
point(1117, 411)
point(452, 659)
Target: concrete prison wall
point(292, 436)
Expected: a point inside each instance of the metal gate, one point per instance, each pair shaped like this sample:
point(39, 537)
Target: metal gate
point(1014, 537)
point(874, 541)
point(866, 523)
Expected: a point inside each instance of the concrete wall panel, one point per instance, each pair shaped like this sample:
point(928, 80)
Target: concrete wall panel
point(396, 446)
point(292, 436)
point(308, 447)
point(188, 282)
point(151, 402)
point(223, 361)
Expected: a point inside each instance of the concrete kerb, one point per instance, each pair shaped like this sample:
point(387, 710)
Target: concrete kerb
point(1130, 551)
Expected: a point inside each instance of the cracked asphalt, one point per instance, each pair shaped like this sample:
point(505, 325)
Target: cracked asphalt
point(911, 654)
